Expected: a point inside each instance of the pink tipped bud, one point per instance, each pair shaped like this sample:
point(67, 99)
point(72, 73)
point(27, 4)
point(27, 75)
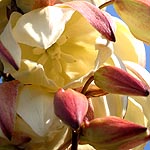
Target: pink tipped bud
point(113, 133)
point(71, 107)
point(115, 80)
point(136, 15)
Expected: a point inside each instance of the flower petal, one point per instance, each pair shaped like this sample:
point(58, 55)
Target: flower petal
point(44, 31)
point(35, 106)
point(111, 105)
point(138, 71)
point(8, 92)
point(127, 44)
point(137, 22)
point(8, 46)
point(33, 73)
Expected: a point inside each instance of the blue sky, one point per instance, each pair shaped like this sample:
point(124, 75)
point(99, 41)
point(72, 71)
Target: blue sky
point(111, 10)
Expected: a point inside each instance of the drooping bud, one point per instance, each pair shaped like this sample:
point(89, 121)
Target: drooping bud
point(135, 13)
point(71, 107)
point(113, 133)
point(95, 17)
point(115, 80)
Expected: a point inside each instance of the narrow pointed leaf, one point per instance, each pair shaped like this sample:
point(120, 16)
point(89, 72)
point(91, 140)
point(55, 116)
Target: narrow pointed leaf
point(71, 107)
point(8, 93)
point(115, 80)
point(95, 17)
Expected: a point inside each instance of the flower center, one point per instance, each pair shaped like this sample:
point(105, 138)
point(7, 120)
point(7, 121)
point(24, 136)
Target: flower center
point(54, 54)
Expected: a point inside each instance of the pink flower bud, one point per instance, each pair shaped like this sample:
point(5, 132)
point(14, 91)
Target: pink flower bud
point(115, 80)
point(113, 133)
point(135, 13)
point(71, 107)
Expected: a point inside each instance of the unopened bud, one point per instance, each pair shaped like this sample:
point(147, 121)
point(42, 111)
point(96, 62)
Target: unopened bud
point(115, 80)
point(71, 107)
point(113, 133)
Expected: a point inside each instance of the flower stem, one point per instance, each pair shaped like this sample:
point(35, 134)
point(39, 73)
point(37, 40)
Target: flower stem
point(75, 137)
point(106, 4)
point(88, 82)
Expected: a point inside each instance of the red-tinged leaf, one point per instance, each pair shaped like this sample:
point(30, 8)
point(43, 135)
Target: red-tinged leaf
point(115, 80)
point(71, 107)
point(95, 17)
point(113, 133)
point(8, 93)
point(5, 53)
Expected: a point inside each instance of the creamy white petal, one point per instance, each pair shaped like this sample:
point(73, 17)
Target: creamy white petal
point(42, 27)
point(35, 106)
point(9, 42)
point(33, 73)
point(138, 71)
point(127, 47)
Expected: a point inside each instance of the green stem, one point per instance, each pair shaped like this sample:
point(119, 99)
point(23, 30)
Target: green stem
point(106, 4)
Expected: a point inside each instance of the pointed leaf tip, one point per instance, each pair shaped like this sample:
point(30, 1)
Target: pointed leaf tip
point(71, 107)
point(8, 93)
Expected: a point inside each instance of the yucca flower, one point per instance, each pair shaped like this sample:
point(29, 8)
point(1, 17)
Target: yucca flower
point(52, 47)
point(48, 53)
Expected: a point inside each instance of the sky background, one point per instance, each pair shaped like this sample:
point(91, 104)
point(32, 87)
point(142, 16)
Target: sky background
point(111, 10)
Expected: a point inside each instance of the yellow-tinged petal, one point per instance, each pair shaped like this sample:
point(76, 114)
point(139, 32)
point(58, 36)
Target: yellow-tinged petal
point(35, 106)
point(104, 51)
point(143, 75)
point(127, 47)
point(42, 27)
point(135, 113)
point(33, 73)
point(110, 105)
point(138, 71)
point(138, 19)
